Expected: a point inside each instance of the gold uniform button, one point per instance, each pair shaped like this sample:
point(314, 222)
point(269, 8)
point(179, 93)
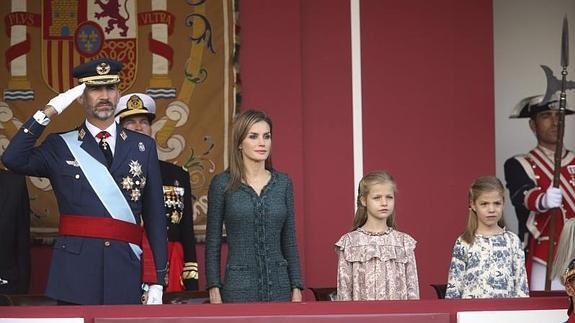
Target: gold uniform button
point(107, 243)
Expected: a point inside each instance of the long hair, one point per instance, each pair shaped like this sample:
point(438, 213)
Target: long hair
point(481, 185)
point(372, 178)
point(565, 249)
point(240, 129)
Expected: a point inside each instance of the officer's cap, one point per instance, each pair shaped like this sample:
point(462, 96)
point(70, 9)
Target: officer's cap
point(530, 106)
point(101, 71)
point(136, 103)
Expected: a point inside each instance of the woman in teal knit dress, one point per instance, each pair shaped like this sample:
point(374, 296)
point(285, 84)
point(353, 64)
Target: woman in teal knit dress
point(255, 203)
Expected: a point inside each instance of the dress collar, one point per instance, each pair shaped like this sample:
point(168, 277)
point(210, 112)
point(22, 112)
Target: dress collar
point(371, 233)
point(95, 130)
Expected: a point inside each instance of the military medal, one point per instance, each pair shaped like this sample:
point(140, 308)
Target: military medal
point(174, 203)
point(136, 182)
point(135, 168)
point(127, 183)
point(135, 194)
point(571, 170)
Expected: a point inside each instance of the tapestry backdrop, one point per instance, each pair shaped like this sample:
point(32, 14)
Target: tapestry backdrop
point(179, 52)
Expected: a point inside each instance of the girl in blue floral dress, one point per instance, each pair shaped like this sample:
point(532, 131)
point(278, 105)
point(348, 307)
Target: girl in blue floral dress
point(487, 260)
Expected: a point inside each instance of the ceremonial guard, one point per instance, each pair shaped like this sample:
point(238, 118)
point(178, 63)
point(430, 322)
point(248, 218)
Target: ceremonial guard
point(529, 179)
point(136, 111)
point(107, 183)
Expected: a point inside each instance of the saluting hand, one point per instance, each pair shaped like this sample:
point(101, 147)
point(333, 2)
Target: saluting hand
point(63, 100)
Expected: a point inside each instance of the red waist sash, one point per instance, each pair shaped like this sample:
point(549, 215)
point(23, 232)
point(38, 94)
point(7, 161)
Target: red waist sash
point(100, 227)
point(110, 228)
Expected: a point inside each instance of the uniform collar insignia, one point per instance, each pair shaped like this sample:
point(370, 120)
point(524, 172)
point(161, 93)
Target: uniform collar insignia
point(81, 134)
point(74, 163)
point(123, 134)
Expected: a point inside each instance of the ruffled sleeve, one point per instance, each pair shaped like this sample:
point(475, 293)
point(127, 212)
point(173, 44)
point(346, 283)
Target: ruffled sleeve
point(341, 244)
point(344, 271)
point(412, 281)
point(408, 242)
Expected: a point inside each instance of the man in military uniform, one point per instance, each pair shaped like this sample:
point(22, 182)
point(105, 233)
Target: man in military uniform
point(529, 179)
point(107, 182)
point(136, 111)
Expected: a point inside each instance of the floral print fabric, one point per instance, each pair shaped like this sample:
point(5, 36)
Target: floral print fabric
point(491, 267)
point(376, 266)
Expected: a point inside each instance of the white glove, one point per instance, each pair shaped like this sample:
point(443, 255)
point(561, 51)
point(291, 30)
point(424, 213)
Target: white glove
point(552, 198)
point(154, 295)
point(63, 100)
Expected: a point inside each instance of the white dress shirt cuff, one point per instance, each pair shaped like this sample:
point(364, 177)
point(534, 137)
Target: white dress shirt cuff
point(41, 118)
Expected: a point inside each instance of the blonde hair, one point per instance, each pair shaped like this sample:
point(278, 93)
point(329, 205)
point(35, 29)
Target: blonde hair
point(240, 129)
point(565, 250)
point(373, 178)
point(481, 185)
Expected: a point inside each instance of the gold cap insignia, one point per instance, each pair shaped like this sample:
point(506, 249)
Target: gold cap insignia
point(135, 103)
point(103, 68)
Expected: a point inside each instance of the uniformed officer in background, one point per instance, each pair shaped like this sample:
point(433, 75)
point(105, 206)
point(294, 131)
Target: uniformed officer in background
point(136, 111)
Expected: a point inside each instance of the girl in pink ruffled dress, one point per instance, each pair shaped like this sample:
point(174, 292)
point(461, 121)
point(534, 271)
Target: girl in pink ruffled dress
point(376, 262)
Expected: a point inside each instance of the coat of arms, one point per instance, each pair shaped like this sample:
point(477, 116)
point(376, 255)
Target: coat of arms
point(185, 61)
point(75, 31)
